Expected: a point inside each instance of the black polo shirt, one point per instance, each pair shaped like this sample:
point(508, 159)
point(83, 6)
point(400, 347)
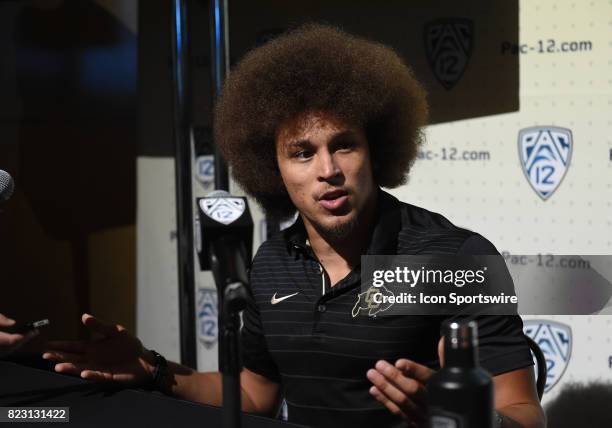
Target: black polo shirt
point(312, 345)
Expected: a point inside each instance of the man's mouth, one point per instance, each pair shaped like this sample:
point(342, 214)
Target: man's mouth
point(334, 199)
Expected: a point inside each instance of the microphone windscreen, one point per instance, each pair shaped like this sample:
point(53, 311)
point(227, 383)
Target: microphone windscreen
point(7, 185)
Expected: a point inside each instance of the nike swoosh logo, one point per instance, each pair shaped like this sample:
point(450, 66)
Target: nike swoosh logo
point(274, 300)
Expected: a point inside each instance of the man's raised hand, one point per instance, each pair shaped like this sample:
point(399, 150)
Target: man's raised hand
point(401, 388)
point(112, 354)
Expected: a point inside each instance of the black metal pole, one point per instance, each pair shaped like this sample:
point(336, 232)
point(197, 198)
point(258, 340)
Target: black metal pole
point(231, 299)
point(231, 370)
point(183, 173)
point(235, 297)
point(220, 68)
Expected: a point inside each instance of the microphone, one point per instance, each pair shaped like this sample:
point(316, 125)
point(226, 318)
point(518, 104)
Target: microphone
point(7, 186)
point(226, 228)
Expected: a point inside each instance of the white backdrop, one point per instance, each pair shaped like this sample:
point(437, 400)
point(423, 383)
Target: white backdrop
point(565, 56)
point(571, 90)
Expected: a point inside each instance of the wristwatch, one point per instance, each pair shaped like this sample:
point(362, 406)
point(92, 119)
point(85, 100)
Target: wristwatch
point(161, 371)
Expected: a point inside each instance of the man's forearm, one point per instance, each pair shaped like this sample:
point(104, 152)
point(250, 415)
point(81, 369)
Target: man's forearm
point(522, 416)
point(206, 388)
point(188, 384)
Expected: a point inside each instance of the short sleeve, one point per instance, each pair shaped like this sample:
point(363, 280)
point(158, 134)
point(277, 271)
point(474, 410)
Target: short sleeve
point(502, 346)
point(255, 354)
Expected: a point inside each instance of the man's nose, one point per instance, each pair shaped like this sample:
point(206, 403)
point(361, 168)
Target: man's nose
point(327, 166)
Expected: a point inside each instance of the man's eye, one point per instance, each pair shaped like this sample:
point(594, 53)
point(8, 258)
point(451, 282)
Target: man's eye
point(303, 154)
point(345, 146)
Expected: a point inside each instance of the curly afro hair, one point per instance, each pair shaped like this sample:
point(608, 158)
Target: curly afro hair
point(317, 68)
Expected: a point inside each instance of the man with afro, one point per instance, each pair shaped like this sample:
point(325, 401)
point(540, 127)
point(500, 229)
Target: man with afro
point(317, 121)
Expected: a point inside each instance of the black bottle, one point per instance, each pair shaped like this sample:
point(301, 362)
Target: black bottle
point(460, 395)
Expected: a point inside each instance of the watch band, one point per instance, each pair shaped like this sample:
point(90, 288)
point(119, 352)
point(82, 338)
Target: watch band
point(161, 371)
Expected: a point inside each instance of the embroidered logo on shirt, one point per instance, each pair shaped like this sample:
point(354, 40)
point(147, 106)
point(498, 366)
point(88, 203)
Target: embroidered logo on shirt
point(366, 302)
point(274, 300)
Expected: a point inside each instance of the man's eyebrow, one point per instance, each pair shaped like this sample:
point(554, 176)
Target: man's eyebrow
point(305, 143)
point(298, 143)
point(344, 134)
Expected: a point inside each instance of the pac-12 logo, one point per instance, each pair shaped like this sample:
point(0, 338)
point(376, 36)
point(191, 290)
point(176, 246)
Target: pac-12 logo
point(545, 153)
point(205, 170)
point(448, 44)
point(208, 330)
point(555, 341)
point(223, 209)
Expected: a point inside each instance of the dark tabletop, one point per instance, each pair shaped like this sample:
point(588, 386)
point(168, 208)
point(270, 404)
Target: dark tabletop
point(107, 405)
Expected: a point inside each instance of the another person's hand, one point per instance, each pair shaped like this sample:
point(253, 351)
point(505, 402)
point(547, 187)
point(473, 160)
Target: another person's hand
point(401, 388)
point(10, 342)
point(112, 354)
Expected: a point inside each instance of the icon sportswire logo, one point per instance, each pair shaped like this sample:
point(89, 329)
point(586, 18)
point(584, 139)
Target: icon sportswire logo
point(276, 300)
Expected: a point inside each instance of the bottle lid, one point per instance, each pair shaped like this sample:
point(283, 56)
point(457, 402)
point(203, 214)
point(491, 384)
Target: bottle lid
point(462, 335)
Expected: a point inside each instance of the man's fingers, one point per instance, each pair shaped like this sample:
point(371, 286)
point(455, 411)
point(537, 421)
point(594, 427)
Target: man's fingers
point(68, 368)
point(394, 394)
point(71, 368)
point(11, 340)
point(393, 408)
point(413, 420)
point(98, 375)
point(441, 351)
point(409, 386)
point(65, 357)
point(84, 370)
point(414, 370)
point(6, 321)
point(95, 326)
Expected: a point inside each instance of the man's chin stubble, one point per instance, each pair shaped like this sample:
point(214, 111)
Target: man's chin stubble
point(337, 232)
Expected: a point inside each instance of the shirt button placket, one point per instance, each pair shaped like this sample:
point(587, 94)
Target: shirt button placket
point(321, 307)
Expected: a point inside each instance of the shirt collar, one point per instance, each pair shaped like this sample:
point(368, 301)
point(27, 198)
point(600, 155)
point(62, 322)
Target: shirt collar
point(383, 240)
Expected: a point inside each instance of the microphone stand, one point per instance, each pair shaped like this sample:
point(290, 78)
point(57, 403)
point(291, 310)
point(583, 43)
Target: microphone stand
point(234, 301)
point(229, 270)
